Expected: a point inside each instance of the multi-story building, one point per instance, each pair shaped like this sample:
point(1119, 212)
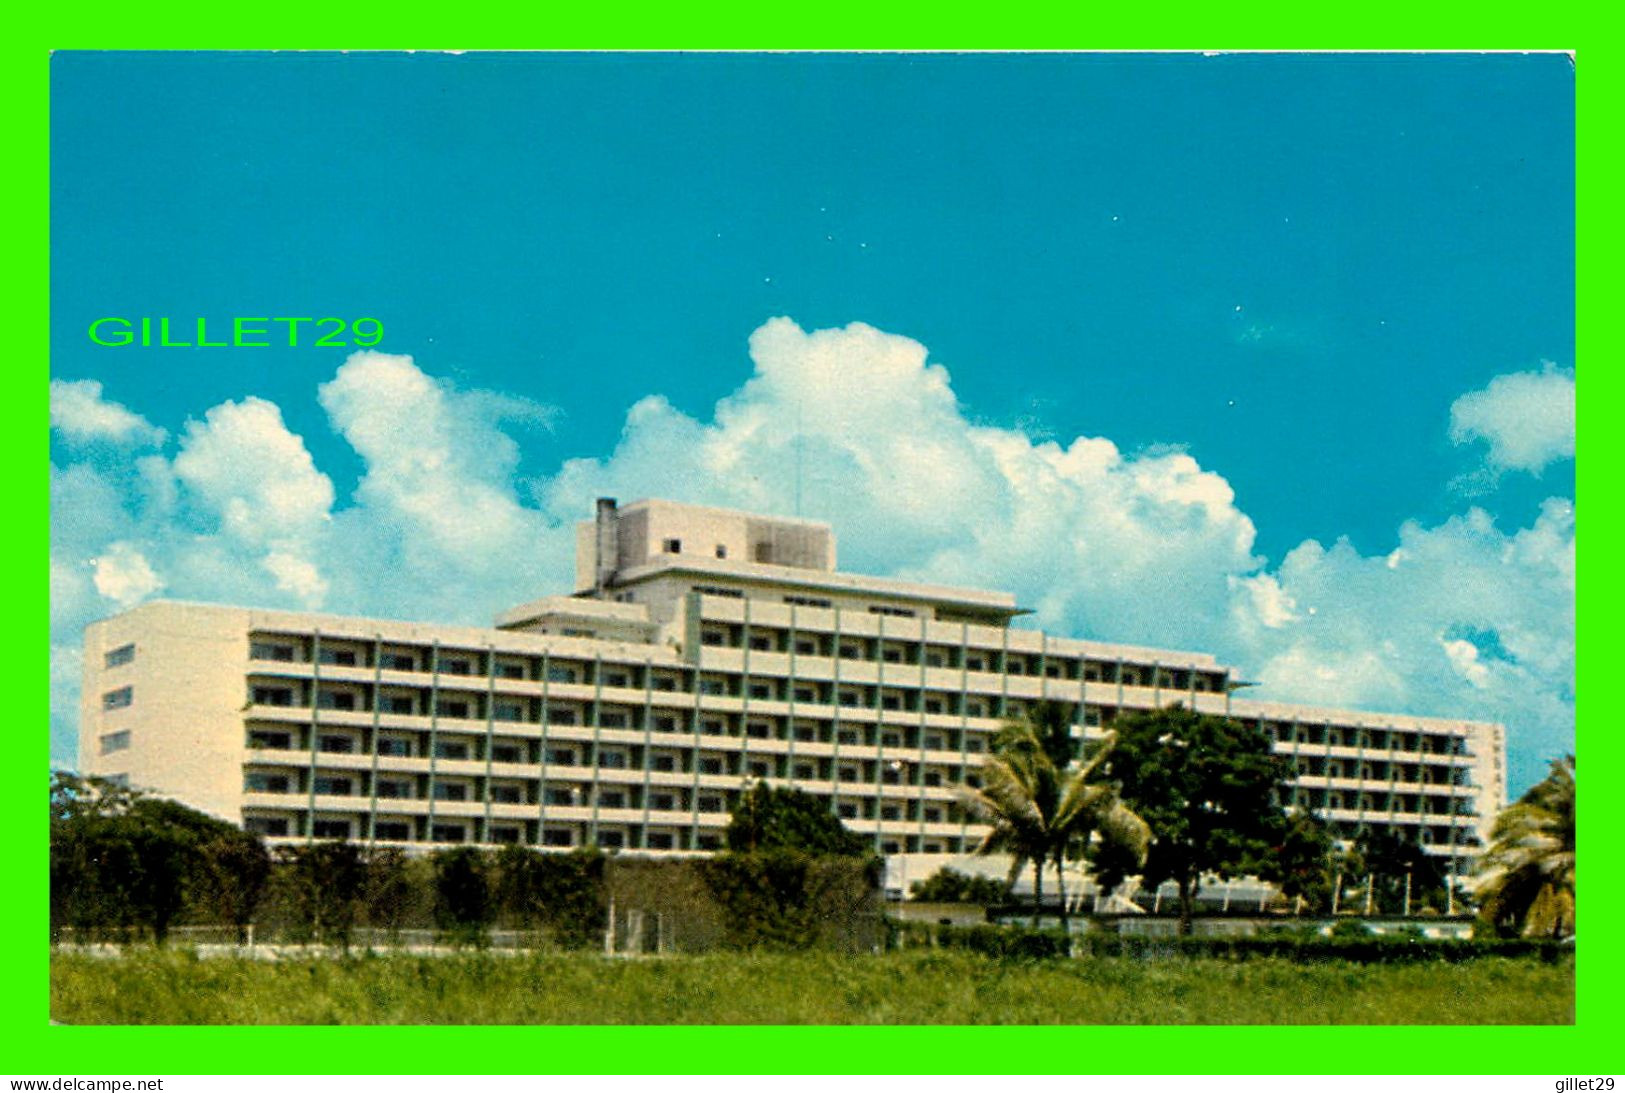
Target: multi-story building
point(703, 649)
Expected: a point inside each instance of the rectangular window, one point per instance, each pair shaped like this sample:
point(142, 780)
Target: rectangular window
point(449, 749)
point(509, 711)
point(611, 798)
point(760, 770)
point(554, 836)
point(337, 700)
point(710, 804)
point(450, 833)
point(117, 700)
point(392, 831)
point(400, 662)
point(612, 719)
point(665, 723)
point(266, 825)
point(260, 782)
point(264, 696)
point(124, 654)
point(507, 795)
point(564, 757)
point(331, 829)
point(344, 658)
point(394, 745)
point(511, 671)
point(333, 787)
point(663, 763)
point(663, 683)
point(340, 745)
point(394, 790)
point(806, 694)
point(456, 666)
point(506, 753)
point(115, 741)
point(612, 760)
point(270, 650)
point(806, 601)
point(611, 840)
point(276, 741)
point(806, 770)
point(557, 673)
point(760, 690)
point(660, 841)
point(761, 643)
point(847, 812)
point(450, 791)
point(710, 766)
point(504, 835)
point(662, 802)
point(557, 715)
point(451, 708)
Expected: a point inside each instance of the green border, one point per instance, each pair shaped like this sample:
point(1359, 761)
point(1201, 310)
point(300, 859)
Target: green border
point(35, 1047)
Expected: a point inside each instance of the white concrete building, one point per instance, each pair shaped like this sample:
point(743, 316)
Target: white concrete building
point(702, 650)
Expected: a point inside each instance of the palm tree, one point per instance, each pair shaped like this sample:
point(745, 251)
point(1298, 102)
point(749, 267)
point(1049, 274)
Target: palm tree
point(1042, 802)
point(1526, 880)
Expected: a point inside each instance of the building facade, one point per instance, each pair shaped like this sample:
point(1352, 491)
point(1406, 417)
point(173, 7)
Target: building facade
point(702, 651)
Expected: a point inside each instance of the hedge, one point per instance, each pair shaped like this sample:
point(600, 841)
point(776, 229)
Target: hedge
point(1020, 943)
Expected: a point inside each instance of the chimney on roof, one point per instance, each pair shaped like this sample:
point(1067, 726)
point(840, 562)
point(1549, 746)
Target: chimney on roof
point(606, 545)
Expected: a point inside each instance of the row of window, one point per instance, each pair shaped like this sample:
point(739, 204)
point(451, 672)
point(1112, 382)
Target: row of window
point(529, 753)
point(760, 639)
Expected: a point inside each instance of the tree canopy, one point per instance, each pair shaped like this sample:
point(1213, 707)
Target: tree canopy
point(122, 860)
point(1046, 805)
point(1526, 879)
point(769, 818)
point(1209, 787)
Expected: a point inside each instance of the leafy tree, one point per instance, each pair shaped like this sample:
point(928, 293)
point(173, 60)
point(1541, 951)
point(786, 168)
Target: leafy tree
point(391, 890)
point(1526, 879)
point(565, 893)
point(1045, 804)
point(1210, 789)
point(1302, 863)
point(1390, 860)
point(326, 881)
point(123, 858)
point(951, 886)
point(770, 818)
point(463, 903)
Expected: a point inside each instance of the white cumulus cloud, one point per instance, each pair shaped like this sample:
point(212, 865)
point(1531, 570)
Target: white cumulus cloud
point(123, 575)
point(1527, 418)
point(80, 414)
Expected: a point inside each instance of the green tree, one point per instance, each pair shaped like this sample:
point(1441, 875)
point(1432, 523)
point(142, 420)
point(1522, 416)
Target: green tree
point(1301, 864)
point(463, 904)
point(326, 880)
point(1392, 862)
point(1210, 788)
point(951, 886)
point(392, 890)
point(771, 818)
point(1045, 803)
point(1525, 882)
point(122, 858)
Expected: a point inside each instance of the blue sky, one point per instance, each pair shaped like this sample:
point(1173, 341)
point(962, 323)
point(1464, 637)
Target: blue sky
point(1289, 270)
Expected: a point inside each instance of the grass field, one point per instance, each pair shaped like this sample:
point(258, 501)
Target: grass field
point(148, 987)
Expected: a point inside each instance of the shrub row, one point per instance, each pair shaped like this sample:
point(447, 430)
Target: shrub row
point(1020, 943)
